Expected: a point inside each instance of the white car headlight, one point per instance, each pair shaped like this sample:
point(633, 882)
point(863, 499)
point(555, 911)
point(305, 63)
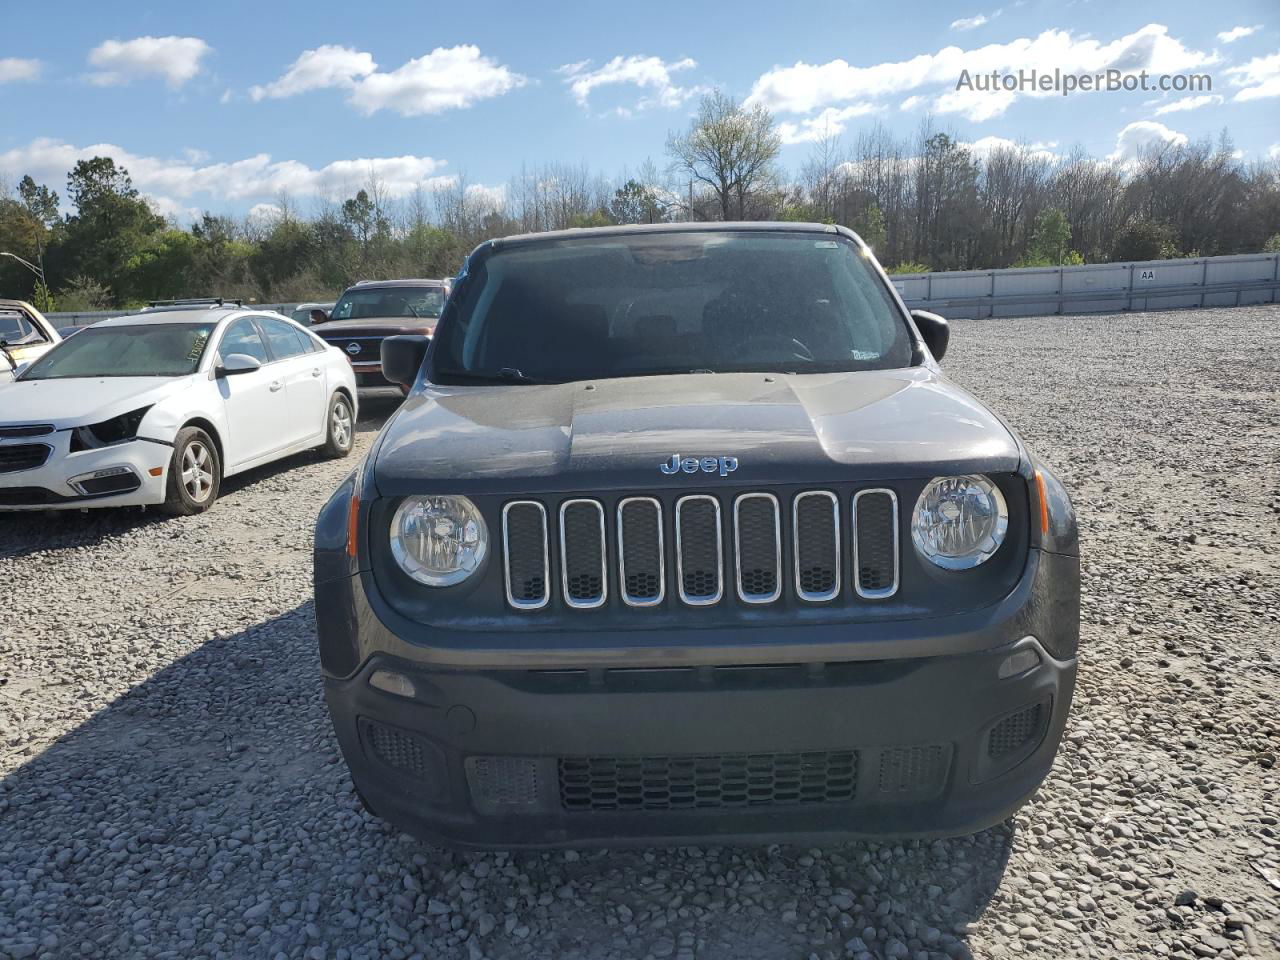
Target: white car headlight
point(959, 522)
point(438, 541)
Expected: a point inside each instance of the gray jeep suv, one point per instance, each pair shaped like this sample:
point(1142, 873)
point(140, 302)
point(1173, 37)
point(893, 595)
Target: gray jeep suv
point(682, 534)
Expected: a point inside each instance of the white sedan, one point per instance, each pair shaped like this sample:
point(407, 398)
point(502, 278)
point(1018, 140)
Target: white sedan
point(158, 408)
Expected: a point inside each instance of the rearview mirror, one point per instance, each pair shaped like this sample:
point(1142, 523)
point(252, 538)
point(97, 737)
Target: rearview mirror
point(237, 363)
point(935, 331)
point(402, 358)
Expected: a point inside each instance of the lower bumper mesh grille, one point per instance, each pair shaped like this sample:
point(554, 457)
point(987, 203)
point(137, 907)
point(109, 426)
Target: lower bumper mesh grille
point(718, 780)
point(1014, 732)
point(23, 456)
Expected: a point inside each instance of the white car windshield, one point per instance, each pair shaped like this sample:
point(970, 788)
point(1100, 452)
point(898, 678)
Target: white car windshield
point(145, 350)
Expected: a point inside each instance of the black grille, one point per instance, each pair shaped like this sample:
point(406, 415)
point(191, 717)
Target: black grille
point(397, 748)
point(640, 546)
point(817, 546)
point(503, 781)
point(582, 543)
point(913, 769)
point(875, 557)
point(759, 559)
point(1014, 732)
point(26, 430)
point(23, 456)
point(525, 545)
point(698, 549)
point(724, 780)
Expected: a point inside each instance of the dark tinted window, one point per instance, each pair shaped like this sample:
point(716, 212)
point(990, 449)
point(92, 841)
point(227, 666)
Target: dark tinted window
point(242, 337)
point(146, 350)
point(285, 339)
point(628, 305)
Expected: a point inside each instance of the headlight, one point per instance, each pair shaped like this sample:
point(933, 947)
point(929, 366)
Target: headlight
point(116, 430)
point(438, 541)
point(959, 522)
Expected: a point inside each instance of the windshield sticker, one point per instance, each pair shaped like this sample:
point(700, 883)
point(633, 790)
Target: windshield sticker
point(197, 347)
point(826, 244)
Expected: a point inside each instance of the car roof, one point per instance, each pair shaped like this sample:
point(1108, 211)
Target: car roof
point(749, 226)
point(201, 315)
point(366, 284)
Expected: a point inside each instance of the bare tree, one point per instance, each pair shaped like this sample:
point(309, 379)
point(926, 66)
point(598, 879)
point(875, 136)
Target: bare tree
point(730, 148)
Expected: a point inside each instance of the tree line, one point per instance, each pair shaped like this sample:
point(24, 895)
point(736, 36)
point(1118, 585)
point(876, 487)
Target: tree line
point(923, 202)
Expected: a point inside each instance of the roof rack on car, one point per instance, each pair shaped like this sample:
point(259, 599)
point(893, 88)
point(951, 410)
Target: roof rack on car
point(199, 302)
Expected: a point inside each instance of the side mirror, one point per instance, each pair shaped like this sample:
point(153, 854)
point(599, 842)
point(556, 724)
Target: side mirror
point(402, 358)
point(237, 363)
point(935, 330)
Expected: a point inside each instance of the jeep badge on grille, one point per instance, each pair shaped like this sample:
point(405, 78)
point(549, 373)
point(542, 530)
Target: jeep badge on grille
point(725, 465)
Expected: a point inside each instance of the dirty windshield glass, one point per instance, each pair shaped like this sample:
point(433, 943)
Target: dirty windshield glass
point(147, 350)
point(640, 304)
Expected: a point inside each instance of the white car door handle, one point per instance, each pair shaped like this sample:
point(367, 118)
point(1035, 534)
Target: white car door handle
point(276, 385)
point(315, 372)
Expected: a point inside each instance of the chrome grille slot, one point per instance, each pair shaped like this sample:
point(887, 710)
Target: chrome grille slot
point(641, 567)
point(757, 535)
point(582, 553)
point(875, 544)
point(526, 555)
point(816, 535)
point(699, 550)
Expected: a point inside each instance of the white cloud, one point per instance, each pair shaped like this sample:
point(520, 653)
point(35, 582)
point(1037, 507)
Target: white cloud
point(1235, 33)
point(1260, 78)
point(327, 66)
point(1273, 152)
point(447, 78)
point(1189, 103)
point(163, 179)
point(171, 209)
point(226, 96)
point(805, 88)
point(647, 73)
point(912, 102)
point(177, 59)
point(969, 23)
point(487, 198)
point(830, 122)
point(15, 69)
point(1137, 138)
point(985, 146)
point(265, 213)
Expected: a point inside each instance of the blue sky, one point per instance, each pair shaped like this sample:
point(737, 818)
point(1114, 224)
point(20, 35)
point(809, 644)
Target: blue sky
point(222, 105)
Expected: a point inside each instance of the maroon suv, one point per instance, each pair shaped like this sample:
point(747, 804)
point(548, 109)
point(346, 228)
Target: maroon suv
point(373, 310)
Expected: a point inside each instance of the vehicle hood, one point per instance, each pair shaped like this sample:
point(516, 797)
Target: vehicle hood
point(78, 401)
point(373, 327)
point(613, 434)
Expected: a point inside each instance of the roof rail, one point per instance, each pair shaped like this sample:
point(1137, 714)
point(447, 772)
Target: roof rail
point(199, 302)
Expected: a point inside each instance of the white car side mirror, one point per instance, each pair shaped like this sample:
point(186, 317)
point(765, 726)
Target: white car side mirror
point(237, 363)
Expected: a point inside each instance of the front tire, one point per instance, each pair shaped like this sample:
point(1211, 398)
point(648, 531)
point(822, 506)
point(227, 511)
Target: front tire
point(195, 474)
point(341, 434)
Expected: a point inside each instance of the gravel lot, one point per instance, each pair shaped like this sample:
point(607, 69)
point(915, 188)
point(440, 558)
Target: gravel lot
point(171, 787)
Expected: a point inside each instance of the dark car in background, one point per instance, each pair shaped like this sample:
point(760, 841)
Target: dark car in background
point(372, 310)
point(682, 534)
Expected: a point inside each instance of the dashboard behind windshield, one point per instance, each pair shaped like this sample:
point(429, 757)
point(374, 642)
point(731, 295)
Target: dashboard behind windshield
point(679, 302)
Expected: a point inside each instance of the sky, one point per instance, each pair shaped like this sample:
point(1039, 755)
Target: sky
point(223, 106)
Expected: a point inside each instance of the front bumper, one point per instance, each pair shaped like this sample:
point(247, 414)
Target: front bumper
point(777, 736)
point(59, 483)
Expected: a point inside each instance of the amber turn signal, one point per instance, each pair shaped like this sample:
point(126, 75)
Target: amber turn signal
point(1043, 497)
point(353, 525)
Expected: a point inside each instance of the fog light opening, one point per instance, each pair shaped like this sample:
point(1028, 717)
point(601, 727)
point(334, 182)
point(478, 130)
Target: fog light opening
point(1019, 662)
point(391, 682)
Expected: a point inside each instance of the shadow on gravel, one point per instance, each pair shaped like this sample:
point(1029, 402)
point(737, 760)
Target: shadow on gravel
point(207, 811)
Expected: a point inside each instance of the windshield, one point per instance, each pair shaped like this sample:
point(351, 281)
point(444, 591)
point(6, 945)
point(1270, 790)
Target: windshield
point(146, 350)
point(639, 304)
point(425, 303)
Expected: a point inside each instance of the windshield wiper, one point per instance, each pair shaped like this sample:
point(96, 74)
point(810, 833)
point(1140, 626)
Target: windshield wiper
point(503, 375)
